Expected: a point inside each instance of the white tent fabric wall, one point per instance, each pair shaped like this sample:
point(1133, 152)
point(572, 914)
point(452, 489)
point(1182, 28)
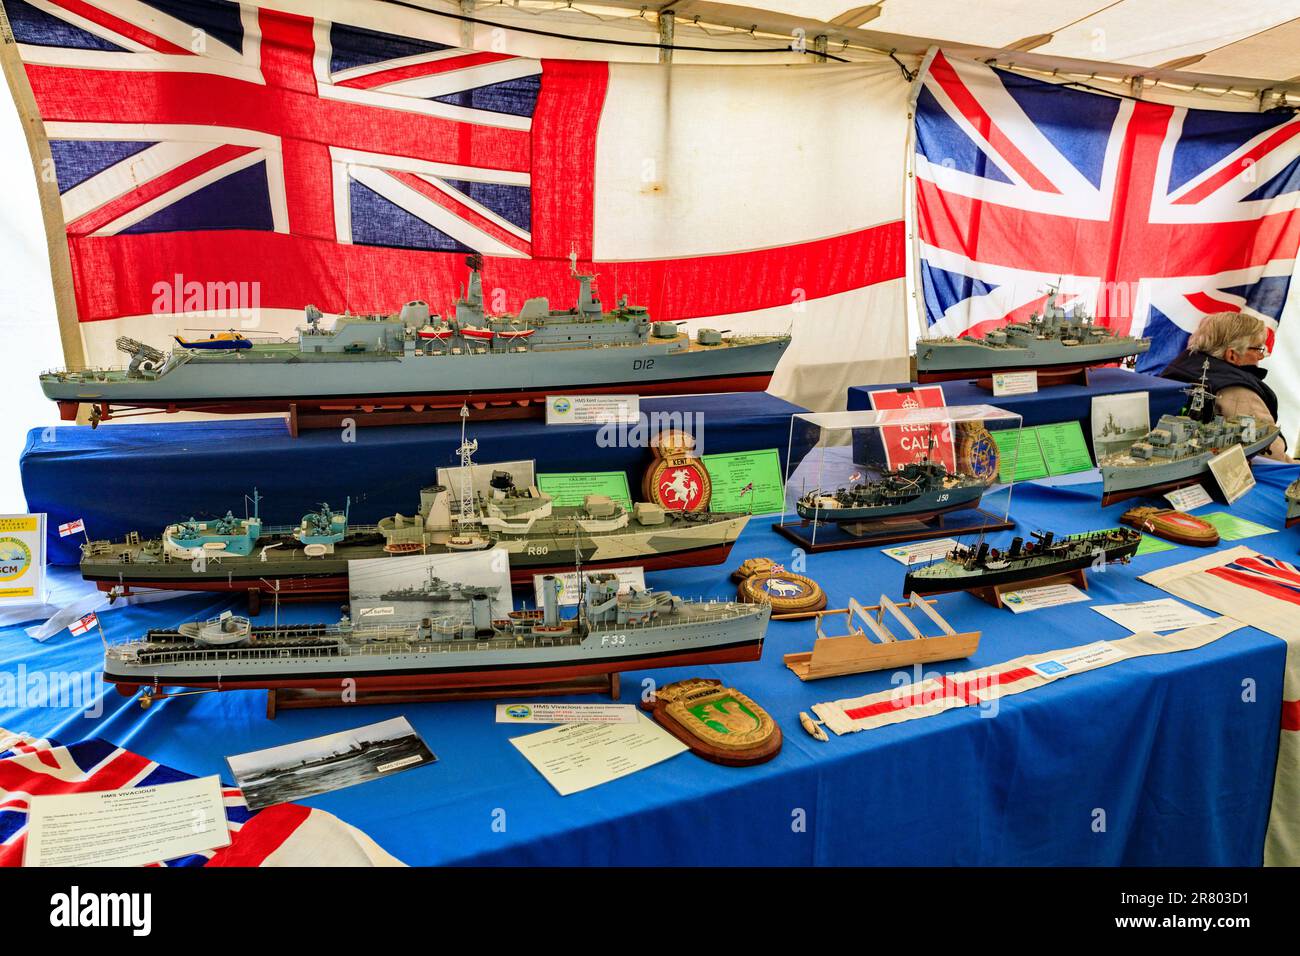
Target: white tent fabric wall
point(29, 330)
point(718, 160)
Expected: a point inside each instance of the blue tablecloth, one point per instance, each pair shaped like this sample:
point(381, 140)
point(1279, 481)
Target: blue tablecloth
point(1058, 403)
point(139, 477)
point(1157, 760)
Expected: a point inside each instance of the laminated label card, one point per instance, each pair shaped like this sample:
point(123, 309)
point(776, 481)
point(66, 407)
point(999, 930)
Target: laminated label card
point(592, 409)
point(746, 481)
point(570, 488)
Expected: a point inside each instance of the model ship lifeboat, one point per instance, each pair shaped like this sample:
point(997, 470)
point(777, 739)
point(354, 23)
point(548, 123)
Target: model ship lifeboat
point(218, 631)
point(438, 333)
point(476, 333)
point(515, 335)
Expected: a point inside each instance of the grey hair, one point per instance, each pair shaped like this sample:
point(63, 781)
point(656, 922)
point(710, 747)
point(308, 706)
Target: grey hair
point(1221, 331)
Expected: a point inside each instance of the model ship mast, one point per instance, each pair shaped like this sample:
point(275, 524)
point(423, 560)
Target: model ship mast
point(466, 451)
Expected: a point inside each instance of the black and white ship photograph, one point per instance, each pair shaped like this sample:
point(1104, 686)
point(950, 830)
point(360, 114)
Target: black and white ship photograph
point(418, 586)
point(1118, 421)
point(323, 764)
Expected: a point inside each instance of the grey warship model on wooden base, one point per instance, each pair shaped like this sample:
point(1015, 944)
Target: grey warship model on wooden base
point(244, 554)
point(1178, 450)
point(416, 360)
point(1058, 345)
point(612, 632)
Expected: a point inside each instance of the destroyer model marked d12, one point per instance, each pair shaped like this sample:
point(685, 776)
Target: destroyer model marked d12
point(612, 632)
point(1178, 450)
point(416, 360)
point(980, 567)
point(1052, 340)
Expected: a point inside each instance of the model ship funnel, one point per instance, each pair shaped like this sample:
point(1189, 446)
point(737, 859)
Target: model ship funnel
point(550, 602)
point(480, 611)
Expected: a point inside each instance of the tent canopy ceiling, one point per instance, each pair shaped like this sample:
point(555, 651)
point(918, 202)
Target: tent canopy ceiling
point(1255, 44)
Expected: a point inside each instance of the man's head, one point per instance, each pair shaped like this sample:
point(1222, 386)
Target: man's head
point(1232, 336)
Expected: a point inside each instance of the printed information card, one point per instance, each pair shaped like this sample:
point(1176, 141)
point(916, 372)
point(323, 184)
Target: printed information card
point(1164, 614)
point(746, 481)
point(570, 488)
point(1188, 499)
point(576, 757)
point(128, 827)
point(548, 712)
point(1035, 599)
point(592, 409)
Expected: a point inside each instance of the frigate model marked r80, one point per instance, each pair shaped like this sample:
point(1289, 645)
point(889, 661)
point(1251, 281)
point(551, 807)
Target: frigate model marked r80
point(244, 554)
point(416, 360)
point(1056, 344)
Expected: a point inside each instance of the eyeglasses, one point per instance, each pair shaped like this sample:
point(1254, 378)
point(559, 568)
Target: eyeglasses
point(1261, 349)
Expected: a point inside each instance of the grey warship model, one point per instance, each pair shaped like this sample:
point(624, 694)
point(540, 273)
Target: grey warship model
point(1293, 503)
point(1178, 450)
point(981, 566)
point(914, 489)
point(612, 632)
point(416, 359)
point(1050, 339)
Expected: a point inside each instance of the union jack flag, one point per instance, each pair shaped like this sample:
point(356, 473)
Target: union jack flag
point(284, 835)
point(1148, 216)
point(1269, 576)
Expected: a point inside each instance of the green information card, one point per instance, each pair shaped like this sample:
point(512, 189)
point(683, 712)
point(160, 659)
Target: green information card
point(746, 481)
point(569, 488)
point(1064, 449)
point(1153, 545)
point(1027, 459)
point(1232, 528)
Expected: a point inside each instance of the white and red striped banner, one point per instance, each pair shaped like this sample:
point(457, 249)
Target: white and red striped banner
point(935, 695)
point(1263, 592)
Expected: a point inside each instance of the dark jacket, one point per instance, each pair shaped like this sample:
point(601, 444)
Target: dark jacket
point(1221, 374)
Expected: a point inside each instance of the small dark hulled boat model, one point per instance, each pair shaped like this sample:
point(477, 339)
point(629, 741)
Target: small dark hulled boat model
point(916, 489)
point(982, 566)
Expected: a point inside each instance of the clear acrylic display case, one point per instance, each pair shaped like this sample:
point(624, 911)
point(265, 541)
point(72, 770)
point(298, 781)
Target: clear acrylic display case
point(862, 478)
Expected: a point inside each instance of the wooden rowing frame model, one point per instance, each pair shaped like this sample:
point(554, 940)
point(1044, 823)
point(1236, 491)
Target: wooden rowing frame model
point(857, 653)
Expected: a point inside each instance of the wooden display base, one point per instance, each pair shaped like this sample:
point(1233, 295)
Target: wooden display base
point(983, 378)
point(292, 698)
point(829, 536)
point(993, 595)
point(301, 419)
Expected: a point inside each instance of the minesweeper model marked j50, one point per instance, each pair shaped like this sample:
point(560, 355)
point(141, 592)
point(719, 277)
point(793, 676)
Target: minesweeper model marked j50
point(415, 359)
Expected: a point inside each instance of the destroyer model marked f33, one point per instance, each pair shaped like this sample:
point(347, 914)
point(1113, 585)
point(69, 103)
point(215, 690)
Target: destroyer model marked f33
point(418, 359)
point(1052, 338)
point(612, 632)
